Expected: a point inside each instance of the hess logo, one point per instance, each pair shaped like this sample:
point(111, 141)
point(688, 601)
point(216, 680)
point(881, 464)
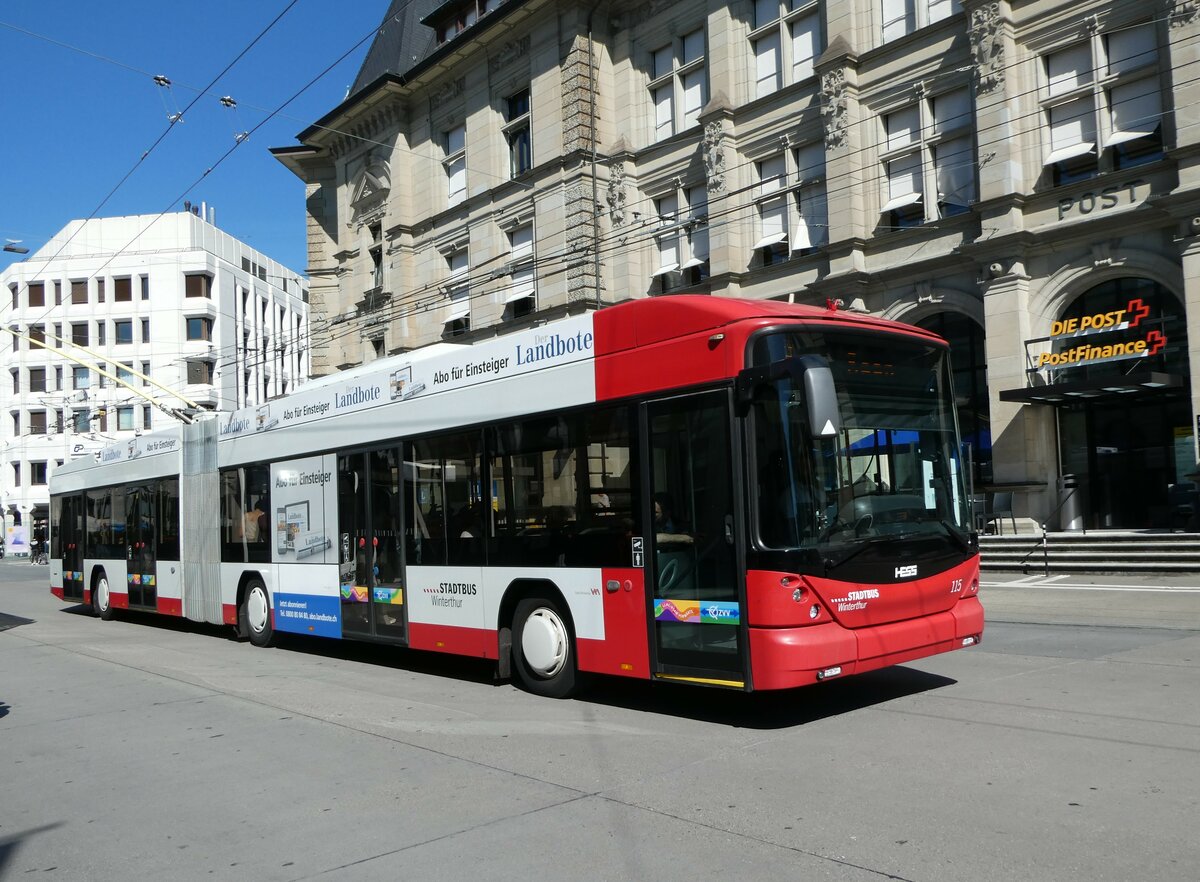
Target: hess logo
point(906, 572)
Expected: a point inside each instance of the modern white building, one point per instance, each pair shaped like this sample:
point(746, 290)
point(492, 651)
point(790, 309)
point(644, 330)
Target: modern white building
point(154, 301)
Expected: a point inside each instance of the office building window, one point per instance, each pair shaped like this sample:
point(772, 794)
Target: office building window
point(122, 290)
point(58, 293)
point(37, 294)
point(123, 331)
point(454, 146)
point(458, 316)
point(79, 292)
point(37, 379)
point(197, 285)
point(199, 328)
point(517, 133)
point(786, 39)
point(678, 84)
point(520, 294)
point(37, 473)
point(902, 17)
point(81, 378)
point(145, 287)
point(145, 330)
point(928, 158)
point(100, 332)
point(1102, 105)
point(125, 419)
point(37, 422)
point(79, 333)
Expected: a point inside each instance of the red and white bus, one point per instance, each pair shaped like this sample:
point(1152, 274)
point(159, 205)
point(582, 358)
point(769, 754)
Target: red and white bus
point(745, 494)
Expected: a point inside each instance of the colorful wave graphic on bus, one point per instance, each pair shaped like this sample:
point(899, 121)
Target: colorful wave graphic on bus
point(355, 593)
point(712, 612)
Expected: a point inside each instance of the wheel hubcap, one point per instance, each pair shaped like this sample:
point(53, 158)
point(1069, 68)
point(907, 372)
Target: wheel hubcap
point(544, 642)
point(102, 593)
point(257, 610)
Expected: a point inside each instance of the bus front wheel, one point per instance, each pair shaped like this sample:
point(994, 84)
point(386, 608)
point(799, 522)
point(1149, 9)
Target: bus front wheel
point(102, 599)
point(256, 614)
point(543, 652)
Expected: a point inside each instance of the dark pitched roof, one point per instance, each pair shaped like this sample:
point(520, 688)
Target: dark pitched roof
point(402, 42)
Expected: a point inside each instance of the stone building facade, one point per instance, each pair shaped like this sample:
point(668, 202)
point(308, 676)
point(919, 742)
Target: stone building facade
point(1020, 176)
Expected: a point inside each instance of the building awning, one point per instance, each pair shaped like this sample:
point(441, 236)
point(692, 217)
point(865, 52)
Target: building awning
point(1060, 394)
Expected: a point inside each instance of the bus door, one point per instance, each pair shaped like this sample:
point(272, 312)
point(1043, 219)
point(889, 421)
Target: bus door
point(68, 543)
point(140, 546)
point(698, 603)
point(372, 590)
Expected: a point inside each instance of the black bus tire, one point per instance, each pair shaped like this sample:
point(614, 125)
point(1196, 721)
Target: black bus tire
point(543, 649)
point(102, 598)
point(255, 614)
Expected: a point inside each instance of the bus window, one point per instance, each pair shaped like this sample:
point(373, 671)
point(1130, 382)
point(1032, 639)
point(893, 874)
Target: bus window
point(449, 524)
point(168, 519)
point(245, 526)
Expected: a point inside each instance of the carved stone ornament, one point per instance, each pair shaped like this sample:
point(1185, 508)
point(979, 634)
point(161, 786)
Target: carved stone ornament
point(1183, 13)
point(448, 91)
point(509, 53)
point(714, 157)
point(835, 108)
point(616, 195)
point(987, 46)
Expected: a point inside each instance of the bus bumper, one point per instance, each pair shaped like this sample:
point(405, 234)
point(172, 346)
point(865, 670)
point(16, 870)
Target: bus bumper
point(783, 658)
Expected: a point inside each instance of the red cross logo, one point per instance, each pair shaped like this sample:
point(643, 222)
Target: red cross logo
point(1136, 310)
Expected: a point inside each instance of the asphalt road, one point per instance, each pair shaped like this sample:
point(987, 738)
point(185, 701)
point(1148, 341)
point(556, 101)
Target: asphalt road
point(1067, 746)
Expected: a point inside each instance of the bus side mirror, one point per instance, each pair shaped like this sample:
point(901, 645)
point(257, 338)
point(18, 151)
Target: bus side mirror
point(821, 397)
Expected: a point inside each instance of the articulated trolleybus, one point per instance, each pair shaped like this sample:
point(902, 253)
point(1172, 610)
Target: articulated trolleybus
point(753, 495)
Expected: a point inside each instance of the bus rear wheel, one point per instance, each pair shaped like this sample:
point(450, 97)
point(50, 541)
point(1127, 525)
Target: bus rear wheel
point(543, 650)
point(102, 599)
point(255, 614)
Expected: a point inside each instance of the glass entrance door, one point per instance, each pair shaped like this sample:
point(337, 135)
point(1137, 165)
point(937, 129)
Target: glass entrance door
point(370, 566)
point(693, 563)
point(141, 546)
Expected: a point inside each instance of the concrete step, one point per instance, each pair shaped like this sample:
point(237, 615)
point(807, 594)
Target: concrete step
point(1096, 552)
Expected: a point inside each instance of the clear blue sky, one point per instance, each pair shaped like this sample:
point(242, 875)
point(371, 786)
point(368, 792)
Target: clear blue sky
point(75, 124)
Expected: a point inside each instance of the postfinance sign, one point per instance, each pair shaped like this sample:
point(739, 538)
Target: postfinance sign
point(1102, 323)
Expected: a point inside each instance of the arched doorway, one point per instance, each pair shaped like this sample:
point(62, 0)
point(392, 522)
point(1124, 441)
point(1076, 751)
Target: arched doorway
point(1124, 424)
point(968, 360)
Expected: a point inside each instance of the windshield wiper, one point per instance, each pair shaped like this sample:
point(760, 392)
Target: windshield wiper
point(961, 540)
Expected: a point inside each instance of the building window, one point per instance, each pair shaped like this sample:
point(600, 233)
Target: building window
point(123, 331)
point(902, 17)
point(1102, 104)
point(694, 246)
point(79, 291)
point(929, 161)
point(16, 298)
point(458, 317)
point(58, 293)
point(16, 380)
point(146, 416)
point(37, 379)
point(37, 422)
point(200, 373)
point(37, 294)
point(667, 276)
point(37, 473)
point(102, 370)
point(37, 337)
point(521, 291)
point(145, 373)
point(145, 287)
point(145, 330)
point(678, 84)
point(125, 419)
point(125, 373)
point(517, 133)
point(100, 328)
point(16, 467)
point(786, 38)
point(454, 145)
point(99, 290)
point(197, 285)
point(792, 210)
point(58, 379)
point(199, 328)
point(81, 378)
point(122, 290)
point(79, 333)
point(81, 421)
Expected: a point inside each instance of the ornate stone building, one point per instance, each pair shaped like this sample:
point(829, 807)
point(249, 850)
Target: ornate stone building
point(1016, 175)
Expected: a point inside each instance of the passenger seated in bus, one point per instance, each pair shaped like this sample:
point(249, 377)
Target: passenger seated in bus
point(665, 528)
point(252, 527)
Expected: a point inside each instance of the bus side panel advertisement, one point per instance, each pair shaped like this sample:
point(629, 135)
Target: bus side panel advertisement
point(447, 596)
point(308, 614)
point(300, 491)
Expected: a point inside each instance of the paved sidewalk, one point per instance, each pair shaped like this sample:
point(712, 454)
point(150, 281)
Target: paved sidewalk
point(1139, 601)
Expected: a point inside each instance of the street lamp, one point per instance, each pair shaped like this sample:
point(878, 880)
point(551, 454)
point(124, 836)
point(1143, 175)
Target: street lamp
point(15, 247)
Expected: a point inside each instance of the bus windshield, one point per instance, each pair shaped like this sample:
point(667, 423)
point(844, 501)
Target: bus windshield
point(892, 470)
